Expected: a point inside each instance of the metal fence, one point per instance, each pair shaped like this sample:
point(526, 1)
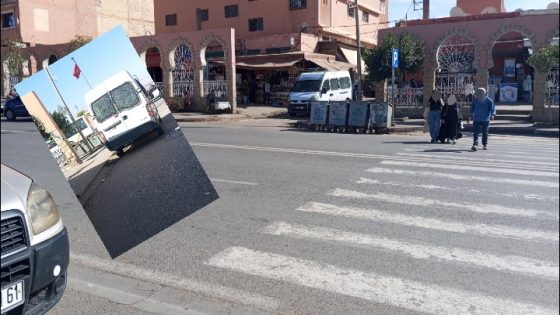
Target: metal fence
point(552, 96)
point(461, 84)
point(219, 87)
point(407, 97)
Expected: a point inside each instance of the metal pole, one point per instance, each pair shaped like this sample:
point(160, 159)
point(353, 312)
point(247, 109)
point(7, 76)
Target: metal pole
point(68, 110)
point(393, 93)
point(358, 51)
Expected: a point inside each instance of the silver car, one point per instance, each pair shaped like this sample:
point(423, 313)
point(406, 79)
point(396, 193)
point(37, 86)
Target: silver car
point(35, 250)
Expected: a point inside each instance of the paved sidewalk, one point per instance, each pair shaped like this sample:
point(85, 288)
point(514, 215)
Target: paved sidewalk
point(80, 176)
point(243, 112)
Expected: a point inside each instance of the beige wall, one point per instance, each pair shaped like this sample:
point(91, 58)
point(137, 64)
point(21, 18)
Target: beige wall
point(36, 108)
point(136, 16)
point(324, 18)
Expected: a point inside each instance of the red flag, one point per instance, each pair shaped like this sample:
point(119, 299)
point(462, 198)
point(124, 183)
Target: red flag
point(77, 71)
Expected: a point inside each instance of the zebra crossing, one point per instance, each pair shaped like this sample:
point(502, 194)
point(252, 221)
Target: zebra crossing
point(508, 195)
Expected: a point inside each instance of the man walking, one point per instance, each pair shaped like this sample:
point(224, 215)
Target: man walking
point(483, 110)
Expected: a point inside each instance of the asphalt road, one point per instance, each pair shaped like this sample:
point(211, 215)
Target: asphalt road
point(342, 224)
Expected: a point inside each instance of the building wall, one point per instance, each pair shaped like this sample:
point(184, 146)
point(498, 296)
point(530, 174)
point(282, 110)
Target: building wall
point(136, 16)
point(323, 18)
point(475, 7)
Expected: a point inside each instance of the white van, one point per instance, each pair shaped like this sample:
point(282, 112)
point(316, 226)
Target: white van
point(123, 111)
point(84, 127)
point(320, 86)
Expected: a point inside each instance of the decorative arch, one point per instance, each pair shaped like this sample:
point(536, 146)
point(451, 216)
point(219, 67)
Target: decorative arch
point(207, 41)
point(523, 30)
point(45, 58)
point(146, 45)
point(450, 34)
point(551, 34)
point(180, 41)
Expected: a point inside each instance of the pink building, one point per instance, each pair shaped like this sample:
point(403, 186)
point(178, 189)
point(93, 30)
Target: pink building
point(482, 45)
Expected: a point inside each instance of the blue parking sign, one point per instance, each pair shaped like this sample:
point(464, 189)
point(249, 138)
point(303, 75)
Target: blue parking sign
point(395, 58)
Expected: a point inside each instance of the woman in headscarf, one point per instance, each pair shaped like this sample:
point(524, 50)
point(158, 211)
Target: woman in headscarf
point(451, 117)
point(435, 104)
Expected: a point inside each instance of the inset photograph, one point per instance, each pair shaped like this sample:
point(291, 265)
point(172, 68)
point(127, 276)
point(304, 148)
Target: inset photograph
point(114, 138)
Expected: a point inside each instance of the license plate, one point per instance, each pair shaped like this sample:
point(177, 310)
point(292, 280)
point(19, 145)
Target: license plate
point(12, 296)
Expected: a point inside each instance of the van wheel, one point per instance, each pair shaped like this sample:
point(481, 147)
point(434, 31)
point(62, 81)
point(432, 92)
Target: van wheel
point(10, 115)
point(160, 131)
point(120, 152)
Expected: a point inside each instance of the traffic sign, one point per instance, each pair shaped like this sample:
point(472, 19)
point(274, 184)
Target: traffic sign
point(395, 58)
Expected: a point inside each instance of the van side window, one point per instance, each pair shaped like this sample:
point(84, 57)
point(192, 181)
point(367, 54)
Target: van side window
point(326, 85)
point(344, 83)
point(125, 96)
point(334, 84)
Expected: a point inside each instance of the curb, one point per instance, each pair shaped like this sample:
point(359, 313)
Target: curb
point(233, 117)
point(391, 130)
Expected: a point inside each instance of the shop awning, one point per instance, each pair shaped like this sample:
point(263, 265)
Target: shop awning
point(287, 60)
point(352, 57)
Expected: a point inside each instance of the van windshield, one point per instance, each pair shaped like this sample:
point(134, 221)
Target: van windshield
point(103, 108)
point(125, 96)
point(307, 86)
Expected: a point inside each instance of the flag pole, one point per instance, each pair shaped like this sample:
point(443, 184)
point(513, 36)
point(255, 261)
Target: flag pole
point(81, 72)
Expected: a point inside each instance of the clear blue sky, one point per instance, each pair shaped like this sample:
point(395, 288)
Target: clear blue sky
point(440, 8)
point(99, 59)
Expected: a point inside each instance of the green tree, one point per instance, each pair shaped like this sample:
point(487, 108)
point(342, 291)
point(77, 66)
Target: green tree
point(81, 113)
point(77, 42)
point(46, 136)
point(411, 56)
point(61, 120)
point(15, 58)
point(545, 59)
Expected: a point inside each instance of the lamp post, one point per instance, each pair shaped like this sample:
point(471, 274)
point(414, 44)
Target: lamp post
point(358, 51)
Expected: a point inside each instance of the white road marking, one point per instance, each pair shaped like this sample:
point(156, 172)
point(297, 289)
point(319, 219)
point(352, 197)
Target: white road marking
point(233, 182)
point(379, 170)
point(174, 281)
point(394, 291)
point(508, 263)
point(499, 231)
point(364, 180)
point(444, 166)
point(424, 202)
point(369, 181)
point(478, 159)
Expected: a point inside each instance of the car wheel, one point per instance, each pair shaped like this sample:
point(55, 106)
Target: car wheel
point(120, 152)
point(10, 115)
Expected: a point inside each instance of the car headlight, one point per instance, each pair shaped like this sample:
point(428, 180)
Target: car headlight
point(41, 208)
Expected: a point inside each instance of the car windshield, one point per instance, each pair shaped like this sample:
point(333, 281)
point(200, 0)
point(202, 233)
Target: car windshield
point(103, 108)
point(307, 86)
point(72, 130)
point(125, 96)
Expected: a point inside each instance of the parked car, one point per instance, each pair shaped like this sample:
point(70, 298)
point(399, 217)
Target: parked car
point(14, 108)
point(123, 111)
point(35, 250)
point(319, 86)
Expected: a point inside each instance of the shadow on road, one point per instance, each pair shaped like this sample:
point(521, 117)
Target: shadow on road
point(156, 183)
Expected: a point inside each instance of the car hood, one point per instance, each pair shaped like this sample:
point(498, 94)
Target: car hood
point(15, 187)
point(303, 96)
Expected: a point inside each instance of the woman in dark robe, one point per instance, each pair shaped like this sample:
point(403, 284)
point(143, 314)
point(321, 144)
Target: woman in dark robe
point(451, 119)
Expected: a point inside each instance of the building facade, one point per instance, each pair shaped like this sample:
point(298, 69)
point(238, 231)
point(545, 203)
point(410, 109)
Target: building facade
point(37, 23)
point(483, 45)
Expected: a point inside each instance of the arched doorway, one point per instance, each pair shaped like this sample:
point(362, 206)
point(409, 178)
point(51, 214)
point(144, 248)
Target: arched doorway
point(49, 61)
point(213, 61)
point(153, 66)
point(456, 73)
point(510, 80)
point(183, 74)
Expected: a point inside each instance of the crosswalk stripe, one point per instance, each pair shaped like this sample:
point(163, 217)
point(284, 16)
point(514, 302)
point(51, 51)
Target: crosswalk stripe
point(394, 291)
point(365, 180)
point(424, 202)
point(528, 157)
point(478, 159)
point(498, 231)
point(446, 166)
point(466, 177)
point(508, 263)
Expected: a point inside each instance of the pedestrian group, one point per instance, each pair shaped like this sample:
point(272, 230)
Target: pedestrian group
point(445, 121)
